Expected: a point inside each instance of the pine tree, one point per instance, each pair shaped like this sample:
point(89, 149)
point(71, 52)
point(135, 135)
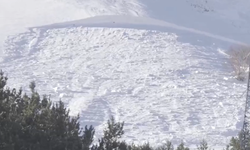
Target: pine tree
point(235, 142)
point(203, 145)
point(34, 123)
point(112, 134)
point(167, 146)
point(182, 147)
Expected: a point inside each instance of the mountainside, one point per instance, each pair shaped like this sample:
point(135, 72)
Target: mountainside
point(16, 16)
point(159, 66)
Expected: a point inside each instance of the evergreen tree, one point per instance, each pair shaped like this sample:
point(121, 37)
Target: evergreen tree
point(235, 143)
point(167, 146)
point(203, 145)
point(112, 134)
point(34, 123)
point(182, 147)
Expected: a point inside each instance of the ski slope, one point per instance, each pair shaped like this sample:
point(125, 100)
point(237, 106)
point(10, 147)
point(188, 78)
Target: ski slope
point(162, 72)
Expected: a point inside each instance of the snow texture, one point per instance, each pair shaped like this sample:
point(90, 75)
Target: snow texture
point(160, 66)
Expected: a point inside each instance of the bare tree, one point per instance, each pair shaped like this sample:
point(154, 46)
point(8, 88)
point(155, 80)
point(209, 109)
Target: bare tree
point(239, 58)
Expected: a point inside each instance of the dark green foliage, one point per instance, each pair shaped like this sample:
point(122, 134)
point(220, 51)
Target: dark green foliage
point(145, 147)
point(34, 123)
point(88, 137)
point(167, 146)
point(235, 143)
point(203, 145)
point(114, 131)
point(182, 147)
point(112, 134)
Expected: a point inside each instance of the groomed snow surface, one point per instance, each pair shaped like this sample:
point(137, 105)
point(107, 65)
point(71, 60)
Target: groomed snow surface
point(160, 69)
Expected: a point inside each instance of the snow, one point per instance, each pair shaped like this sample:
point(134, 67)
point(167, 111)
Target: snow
point(16, 16)
point(162, 70)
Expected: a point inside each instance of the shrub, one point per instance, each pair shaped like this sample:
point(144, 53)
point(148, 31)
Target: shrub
point(239, 59)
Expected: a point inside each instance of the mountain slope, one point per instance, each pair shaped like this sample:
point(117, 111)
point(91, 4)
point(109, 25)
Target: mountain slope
point(168, 79)
point(16, 16)
point(227, 18)
point(144, 77)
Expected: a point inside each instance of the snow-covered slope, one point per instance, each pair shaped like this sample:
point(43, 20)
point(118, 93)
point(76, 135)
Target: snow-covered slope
point(160, 69)
point(227, 18)
point(16, 16)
